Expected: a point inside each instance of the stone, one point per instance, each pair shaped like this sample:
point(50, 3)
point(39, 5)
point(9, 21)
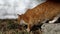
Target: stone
point(51, 28)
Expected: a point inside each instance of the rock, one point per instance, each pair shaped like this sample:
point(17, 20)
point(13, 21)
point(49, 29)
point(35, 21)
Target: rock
point(51, 28)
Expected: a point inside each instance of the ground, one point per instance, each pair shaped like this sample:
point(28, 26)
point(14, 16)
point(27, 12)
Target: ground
point(12, 27)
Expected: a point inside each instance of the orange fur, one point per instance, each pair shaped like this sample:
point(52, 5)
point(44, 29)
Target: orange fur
point(47, 10)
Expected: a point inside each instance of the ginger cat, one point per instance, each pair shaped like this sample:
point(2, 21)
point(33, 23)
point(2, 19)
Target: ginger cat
point(39, 14)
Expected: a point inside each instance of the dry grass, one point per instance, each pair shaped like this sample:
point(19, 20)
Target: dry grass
point(11, 27)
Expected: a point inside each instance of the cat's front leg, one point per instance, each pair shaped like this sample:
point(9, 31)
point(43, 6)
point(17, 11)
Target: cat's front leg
point(55, 19)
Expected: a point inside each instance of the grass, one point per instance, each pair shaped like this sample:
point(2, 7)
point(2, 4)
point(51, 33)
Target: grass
point(12, 27)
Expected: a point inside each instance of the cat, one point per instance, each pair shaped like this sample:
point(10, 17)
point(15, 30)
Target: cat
point(41, 13)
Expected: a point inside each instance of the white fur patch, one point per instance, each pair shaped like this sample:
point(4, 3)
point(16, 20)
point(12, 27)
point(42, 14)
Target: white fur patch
point(55, 19)
point(22, 22)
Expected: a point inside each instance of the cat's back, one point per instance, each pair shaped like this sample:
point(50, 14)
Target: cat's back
point(45, 10)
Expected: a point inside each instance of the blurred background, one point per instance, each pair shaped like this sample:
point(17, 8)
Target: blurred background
point(10, 8)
